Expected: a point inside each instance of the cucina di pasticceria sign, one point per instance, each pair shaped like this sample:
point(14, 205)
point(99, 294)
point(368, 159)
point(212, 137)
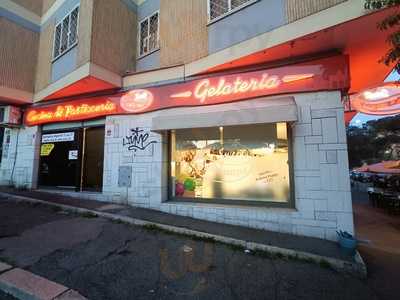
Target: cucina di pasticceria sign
point(324, 74)
point(71, 111)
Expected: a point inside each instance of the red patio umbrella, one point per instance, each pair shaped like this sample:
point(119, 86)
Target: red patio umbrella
point(387, 167)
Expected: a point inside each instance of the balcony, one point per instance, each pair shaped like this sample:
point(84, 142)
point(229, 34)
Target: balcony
point(103, 51)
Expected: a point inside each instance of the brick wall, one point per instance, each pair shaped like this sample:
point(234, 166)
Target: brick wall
point(183, 31)
point(113, 24)
point(17, 64)
point(322, 187)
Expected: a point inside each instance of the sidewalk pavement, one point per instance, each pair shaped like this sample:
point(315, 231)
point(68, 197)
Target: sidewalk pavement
point(25, 285)
point(382, 252)
point(291, 246)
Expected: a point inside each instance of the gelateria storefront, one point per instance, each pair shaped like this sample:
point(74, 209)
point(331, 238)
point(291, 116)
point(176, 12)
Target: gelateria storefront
point(264, 148)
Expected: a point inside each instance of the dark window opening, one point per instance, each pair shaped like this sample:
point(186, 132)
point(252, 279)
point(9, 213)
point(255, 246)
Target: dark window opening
point(1, 141)
point(72, 159)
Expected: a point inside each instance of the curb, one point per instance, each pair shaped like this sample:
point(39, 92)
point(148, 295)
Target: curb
point(25, 285)
point(357, 268)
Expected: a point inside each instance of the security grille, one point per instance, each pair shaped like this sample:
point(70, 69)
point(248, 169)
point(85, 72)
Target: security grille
point(57, 39)
point(66, 33)
point(73, 26)
point(144, 31)
point(218, 8)
point(149, 34)
point(153, 32)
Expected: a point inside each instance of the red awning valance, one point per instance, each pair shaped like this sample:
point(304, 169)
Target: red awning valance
point(324, 74)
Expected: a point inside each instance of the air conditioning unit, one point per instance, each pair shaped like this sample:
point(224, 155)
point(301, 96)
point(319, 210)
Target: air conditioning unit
point(10, 116)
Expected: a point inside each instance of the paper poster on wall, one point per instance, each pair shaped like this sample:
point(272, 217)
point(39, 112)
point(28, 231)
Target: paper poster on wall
point(58, 137)
point(73, 154)
point(46, 149)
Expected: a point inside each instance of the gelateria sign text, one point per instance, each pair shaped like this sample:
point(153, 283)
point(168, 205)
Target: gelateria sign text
point(323, 74)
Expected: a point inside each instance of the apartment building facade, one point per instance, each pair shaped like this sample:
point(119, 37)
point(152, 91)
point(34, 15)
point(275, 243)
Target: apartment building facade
point(224, 110)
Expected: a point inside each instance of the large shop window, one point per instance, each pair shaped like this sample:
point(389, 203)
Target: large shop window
point(231, 164)
point(72, 159)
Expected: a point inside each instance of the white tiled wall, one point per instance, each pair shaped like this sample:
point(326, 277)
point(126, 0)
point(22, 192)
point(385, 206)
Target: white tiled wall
point(19, 164)
point(322, 187)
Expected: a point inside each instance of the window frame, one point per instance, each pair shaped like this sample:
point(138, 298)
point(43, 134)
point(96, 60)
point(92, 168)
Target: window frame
point(2, 135)
point(147, 18)
point(69, 47)
point(290, 204)
point(229, 12)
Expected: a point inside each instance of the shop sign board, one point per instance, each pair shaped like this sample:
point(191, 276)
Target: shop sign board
point(58, 137)
point(324, 74)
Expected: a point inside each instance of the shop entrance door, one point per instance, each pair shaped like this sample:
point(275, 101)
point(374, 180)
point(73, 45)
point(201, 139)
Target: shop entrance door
point(59, 160)
point(72, 159)
point(93, 156)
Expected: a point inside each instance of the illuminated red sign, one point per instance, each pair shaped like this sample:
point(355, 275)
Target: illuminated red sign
point(204, 90)
point(382, 100)
point(70, 111)
point(323, 74)
point(136, 100)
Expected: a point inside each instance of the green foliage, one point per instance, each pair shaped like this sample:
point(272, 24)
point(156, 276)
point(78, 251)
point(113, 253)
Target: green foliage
point(88, 215)
point(391, 23)
point(372, 143)
point(378, 4)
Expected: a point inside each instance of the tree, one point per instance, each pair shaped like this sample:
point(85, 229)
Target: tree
point(390, 22)
point(376, 141)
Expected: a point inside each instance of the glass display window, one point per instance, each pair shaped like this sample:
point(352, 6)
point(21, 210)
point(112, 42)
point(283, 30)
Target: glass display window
point(231, 163)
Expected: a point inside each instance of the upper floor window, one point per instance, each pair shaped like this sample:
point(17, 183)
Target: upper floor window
point(149, 34)
point(66, 33)
point(219, 8)
point(1, 138)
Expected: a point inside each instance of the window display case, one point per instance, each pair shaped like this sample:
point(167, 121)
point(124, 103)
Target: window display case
point(231, 163)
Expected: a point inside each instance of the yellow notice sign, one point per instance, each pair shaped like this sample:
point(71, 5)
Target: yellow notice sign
point(46, 149)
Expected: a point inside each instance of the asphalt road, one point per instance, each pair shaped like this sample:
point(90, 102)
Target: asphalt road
point(105, 260)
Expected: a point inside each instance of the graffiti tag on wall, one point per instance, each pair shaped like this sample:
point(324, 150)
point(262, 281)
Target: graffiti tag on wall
point(137, 140)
